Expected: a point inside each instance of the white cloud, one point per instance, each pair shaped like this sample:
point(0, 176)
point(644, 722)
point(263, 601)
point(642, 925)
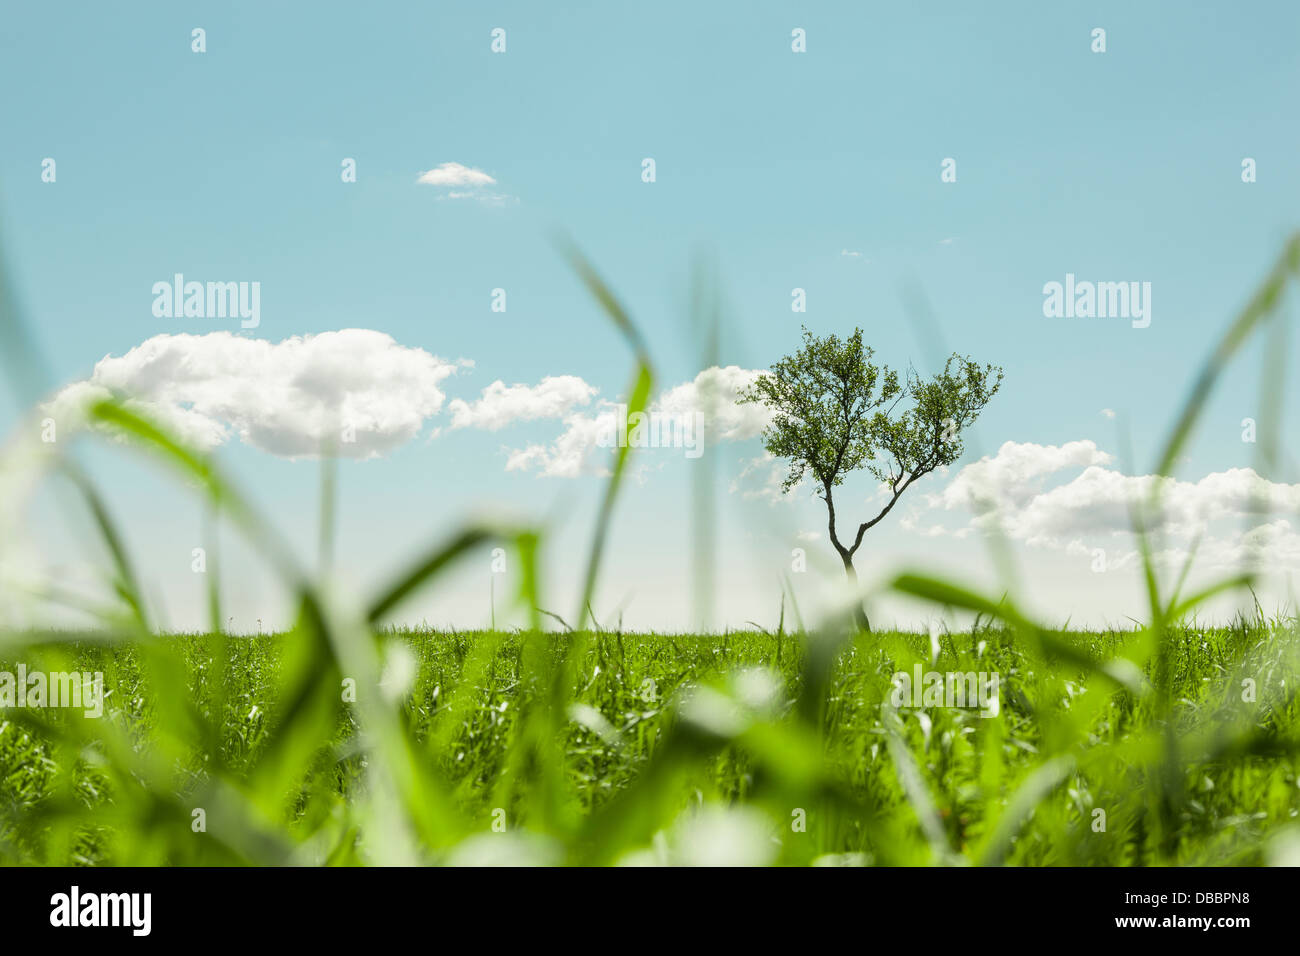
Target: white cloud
point(760, 479)
point(1095, 506)
point(284, 398)
point(1101, 501)
point(501, 405)
point(1274, 544)
point(576, 452)
point(712, 393)
point(1108, 412)
point(454, 174)
point(715, 393)
point(1008, 480)
point(455, 181)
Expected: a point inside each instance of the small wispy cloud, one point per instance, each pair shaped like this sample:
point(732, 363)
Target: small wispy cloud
point(948, 242)
point(458, 181)
point(852, 254)
point(1108, 412)
point(454, 174)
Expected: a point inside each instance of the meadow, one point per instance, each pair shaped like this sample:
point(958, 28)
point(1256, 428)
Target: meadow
point(673, 748)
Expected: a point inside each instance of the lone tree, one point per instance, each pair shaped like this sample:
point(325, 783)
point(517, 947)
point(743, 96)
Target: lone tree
point(835, 411)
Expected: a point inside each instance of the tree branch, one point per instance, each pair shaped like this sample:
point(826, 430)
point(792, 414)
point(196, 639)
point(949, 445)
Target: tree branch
point(898, 493)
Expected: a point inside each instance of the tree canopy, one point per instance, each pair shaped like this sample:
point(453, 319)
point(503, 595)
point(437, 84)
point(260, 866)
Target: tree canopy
point(835, 411)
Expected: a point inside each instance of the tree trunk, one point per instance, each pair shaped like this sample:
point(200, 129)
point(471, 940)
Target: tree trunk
point(859, 614)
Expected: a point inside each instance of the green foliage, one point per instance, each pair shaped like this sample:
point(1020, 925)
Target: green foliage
point(827, 402)
point(834, 411)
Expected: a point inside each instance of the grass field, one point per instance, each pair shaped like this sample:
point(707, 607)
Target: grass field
point(674, 749)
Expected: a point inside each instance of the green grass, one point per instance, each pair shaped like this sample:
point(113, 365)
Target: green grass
point(671, 742)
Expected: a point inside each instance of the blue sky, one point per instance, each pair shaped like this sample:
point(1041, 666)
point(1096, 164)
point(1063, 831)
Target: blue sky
point(225, 165)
